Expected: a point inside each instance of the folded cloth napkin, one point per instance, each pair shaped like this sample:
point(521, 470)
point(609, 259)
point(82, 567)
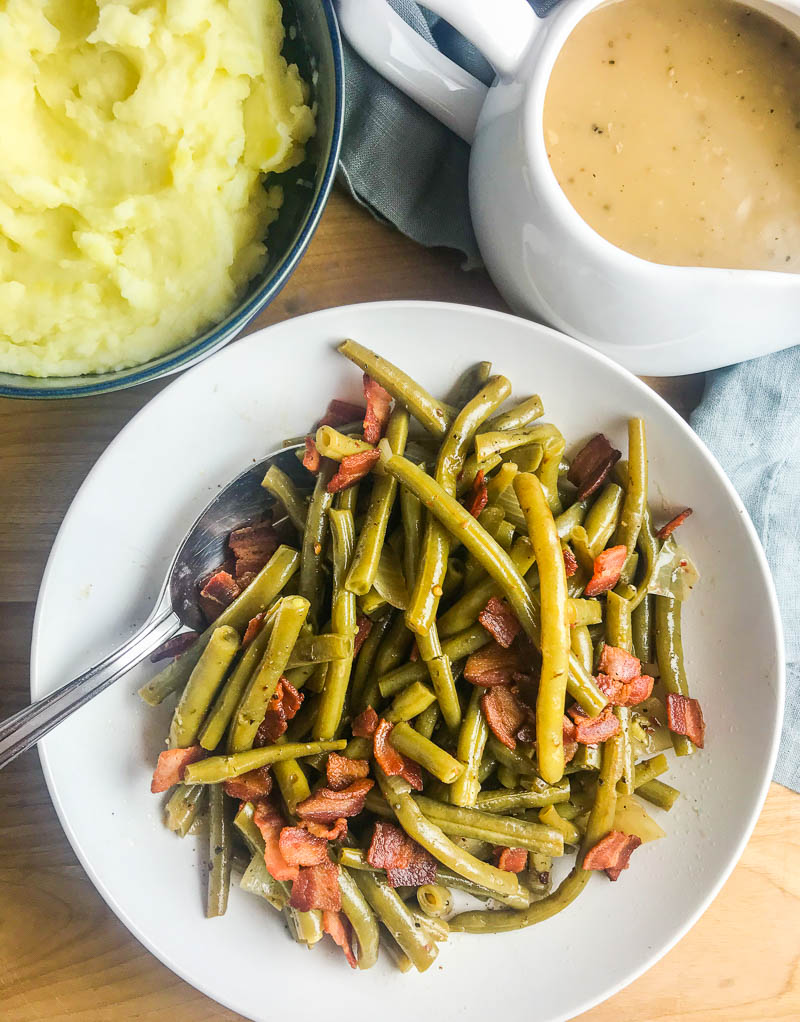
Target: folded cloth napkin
point(408, 169)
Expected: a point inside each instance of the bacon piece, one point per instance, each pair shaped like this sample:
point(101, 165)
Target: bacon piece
point(250, 787)
point(504, 713)
point(684, 717)
point(413, 656)
point(390, 847)
point(570, 562)
point(619, 664)
point(513, 860)
point(253, 628)
point(312, 459)
point(327, 805)
point(171, 766)
point(673, 523)
point(334, 833)
point(220, 590)
point(392, 762)
point(479, 497)
point(317, 887)
point(270, 822)
point(492, 665)
point(366, 723)
point(282, 707)
point(301, 848)
point(341, 771)
point(591, 465)
point(612, 853)
point(499, 621)
point(607, 569)
point(252, 546)
point(337, 925)
point(593, 730)
point(626, 693)
point(376, 417)
point(339, 413)
point(421, 870)
point(352, 469)
point(363, 628)
point(173, 647)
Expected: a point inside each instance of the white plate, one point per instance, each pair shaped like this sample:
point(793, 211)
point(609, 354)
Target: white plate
point(105, 569)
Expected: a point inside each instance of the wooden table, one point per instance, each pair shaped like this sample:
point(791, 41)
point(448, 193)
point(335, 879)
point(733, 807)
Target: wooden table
point(64, 955)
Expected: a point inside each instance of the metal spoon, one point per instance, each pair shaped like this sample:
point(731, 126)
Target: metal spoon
point(202, 550)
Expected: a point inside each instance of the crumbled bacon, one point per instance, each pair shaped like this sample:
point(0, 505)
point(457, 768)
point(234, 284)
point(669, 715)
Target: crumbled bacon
point(312, 458)
point(363, 628)
point(673, 524)
point(407, 863)
point(352, 469)
point(301, 848)
point(341, 771)
point(365, 724)
point(327, 805)
point(413, 656)
point(591, 465)
point(478, 498)
point(421, 870)
point(340, 413)
point(252, 547)
point(220, 590)
point(376, 417)
point(334, 833)
point(270, 822)
point(337, 925)
point(504, 713)
point(282, 707)
point(172, 765)
point(607, 569)
point(570, 562)
point(253, 628)
point(392, 762)
point(500, 622)
point(612, 853)
point(513, 860)
point(173, 647)
point(593, 730)
point(619, 664)
point(625, 693)
point(684, 717)
point(317, 887)
point(250, 787)
point(492, 665)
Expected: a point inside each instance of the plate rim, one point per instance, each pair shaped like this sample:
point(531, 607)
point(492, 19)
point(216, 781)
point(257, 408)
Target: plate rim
point(691, 437)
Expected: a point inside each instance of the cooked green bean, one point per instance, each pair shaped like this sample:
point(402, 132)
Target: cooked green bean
point(365, 663)
point(398, 920)
point(395, 648)
point(584, 612)
point(219, 845)
point(642, 630)
point(574, 515)
point(410, 702)
point(436, 929)
point(343, 621)
point(470, 471)
point(333, 444)
point(669, 653)
point(305, 927)
point(291, 781)
point(513, 760)
point(399, 958)
point(353, 858)
point(521, 798)
point(459, 821)
point(602, 518)
point(587, 757)
point(259, 881)
point(555, 638)
point(430, 413)
point(359, 748)
point(660, 794)
point(469, 752)
point(551, 818)
point(518, 416)
point(618, 633)
point(519, 899)
point(202, 686)
point(648, 771)
point(469, 383)
point(579, 541)
point(286, 493)
point(222, 768)
point(548, 471)
point(507, 777)
point(361, 917)
point(635, 503)
point(440, 670)
point(426, 722)
point(456, 647)
point(434, 900)
point(318, 649)
point(311, 558)
point(411, 514)
point(183, 807)
point(502, 441)
point(425, 752)
point(649, 545)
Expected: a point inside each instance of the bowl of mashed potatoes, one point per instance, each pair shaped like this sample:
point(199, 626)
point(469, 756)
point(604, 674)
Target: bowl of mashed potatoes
point(170, 162)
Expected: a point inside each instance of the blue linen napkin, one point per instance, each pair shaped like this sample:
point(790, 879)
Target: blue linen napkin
point(409, 170)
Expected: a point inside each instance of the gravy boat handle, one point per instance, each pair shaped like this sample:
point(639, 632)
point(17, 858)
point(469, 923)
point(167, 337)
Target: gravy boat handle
point(502, 30)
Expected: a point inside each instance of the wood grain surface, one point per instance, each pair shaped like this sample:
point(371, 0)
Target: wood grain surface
point(64, 955)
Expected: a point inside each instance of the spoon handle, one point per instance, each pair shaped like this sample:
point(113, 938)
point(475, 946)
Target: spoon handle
point(24, 729)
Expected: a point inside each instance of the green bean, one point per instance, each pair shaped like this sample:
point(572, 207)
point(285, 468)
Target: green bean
point(502, 441)
point(540, 873)
point(503, 801)
point(520, 899)
point(602, 518)
point(359, 748)
point(373, 604)
point(202, 686)
point(648, 771)
point(272, 578)
point(430, 413)
point(183, 807)
point(548, 471)
point(635, 503)
point(669, 653)
point(555, 638)
point(573, 516)
point(470, 471)
point(434, 900)
point(343, 620)
point(245, 824)
point(642, 630)
point(444, 685)
point(366, 660)
point(469, 383)
point(259, 881)
point(390, 583)
point(396, 917)
point(582, 648)
point(436, 929)
point(286, 493)
point(353, 858)
point(456, 647)
point(417, 826)
point(298, 676)
point(527, 459)
point(650, 547)
point(660, 794)
point(501, 480)
point(411, 514)
point(518, 416)
point(410, 702)
point(289, 619)
point(507, 777)
point(222, 768)
point(399, 958)
point(584, 612)
point(318, 649)
point(515, 761)
point(426, 722)
point(551, 818)
point(587, 757)
point(469, 752)
point(333, 444)
point(579, 541)
point(361, 917)
point(423, 751)
point(395, 648)
point(627, 576)
point(305, 927)
point(311, 558)
point(219, 844)
point(432, 564)
point(497, 830)
point(291, 781)
point(618, 633)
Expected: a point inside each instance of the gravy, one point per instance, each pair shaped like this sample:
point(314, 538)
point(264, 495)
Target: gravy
point(674, 130)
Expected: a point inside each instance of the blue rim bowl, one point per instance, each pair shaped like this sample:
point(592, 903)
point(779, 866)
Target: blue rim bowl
point(313, 43)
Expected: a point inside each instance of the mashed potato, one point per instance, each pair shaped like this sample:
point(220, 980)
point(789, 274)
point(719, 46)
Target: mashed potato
point(133, 210)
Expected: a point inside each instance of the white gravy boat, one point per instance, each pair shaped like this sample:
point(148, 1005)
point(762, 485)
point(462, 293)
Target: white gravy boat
point(545, 259)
